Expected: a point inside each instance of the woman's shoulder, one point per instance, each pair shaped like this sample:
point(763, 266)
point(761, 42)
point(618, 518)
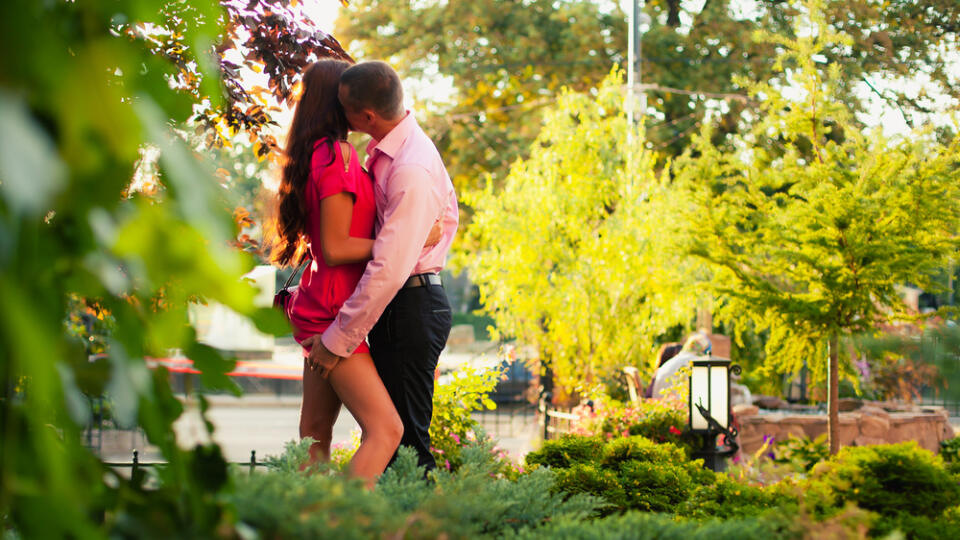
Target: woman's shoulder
point(325, 153)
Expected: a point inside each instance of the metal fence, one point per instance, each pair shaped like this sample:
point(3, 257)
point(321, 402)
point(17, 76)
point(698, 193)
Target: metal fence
point(512, 419)
point(135, 464)
point(952, 406)
point(522, 419)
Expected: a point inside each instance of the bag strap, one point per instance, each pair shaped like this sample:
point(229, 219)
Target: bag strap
point(295, 272)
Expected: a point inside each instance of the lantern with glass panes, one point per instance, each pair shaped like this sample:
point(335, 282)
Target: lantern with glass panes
point(709, 404)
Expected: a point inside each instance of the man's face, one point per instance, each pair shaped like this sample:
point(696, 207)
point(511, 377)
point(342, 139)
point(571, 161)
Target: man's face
point(356, 119)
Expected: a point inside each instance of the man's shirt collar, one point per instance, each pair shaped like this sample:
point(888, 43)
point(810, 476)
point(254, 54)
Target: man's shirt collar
point(391, 142)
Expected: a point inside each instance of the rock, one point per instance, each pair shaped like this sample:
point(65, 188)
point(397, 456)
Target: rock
point(863, 440)
point(874, 426)
point(461, 334)
point(947, 432)
point(769, 402)
point(805, 425)
point(849, 428)
point(873, 410)
point(903, 428)
point(744, 410)
point(804, 419)
point(750, 444)
point(849, 404)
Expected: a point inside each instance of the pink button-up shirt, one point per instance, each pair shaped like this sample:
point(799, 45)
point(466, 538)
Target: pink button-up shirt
point(412, 190)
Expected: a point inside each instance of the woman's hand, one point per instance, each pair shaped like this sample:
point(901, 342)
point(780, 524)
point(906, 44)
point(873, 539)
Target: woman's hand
point(436, 233)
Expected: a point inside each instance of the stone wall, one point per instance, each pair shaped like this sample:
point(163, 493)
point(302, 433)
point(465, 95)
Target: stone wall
point(870, 424)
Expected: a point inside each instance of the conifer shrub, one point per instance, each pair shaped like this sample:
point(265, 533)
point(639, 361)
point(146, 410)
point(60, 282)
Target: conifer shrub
point(467, 503)
point(646, 526)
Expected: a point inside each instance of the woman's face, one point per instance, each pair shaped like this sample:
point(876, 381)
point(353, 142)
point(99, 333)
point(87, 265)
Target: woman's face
point(358, 120)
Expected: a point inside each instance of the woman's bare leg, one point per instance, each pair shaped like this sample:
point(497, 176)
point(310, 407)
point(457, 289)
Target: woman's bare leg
point(318, 413)
point(359, 387)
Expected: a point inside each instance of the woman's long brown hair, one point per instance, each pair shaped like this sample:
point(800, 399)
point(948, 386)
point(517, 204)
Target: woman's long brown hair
point(318, 115)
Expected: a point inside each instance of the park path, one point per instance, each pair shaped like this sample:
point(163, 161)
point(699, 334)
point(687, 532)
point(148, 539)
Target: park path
point(265, 423)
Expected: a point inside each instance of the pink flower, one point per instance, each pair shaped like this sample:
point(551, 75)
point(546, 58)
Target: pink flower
point(455, 438)
point(446, 463)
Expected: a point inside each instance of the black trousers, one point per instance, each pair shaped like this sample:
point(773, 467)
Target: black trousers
point(405, 345)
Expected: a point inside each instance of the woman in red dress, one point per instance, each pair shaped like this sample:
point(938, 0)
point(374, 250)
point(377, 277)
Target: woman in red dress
point(326, 204)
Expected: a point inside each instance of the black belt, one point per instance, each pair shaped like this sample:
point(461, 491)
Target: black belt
point(422, 280)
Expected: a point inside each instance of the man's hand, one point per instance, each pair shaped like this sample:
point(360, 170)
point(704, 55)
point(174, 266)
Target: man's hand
point(320, 358)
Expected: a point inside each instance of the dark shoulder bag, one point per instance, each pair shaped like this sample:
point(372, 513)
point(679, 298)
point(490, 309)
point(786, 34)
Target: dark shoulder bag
point(281, 300)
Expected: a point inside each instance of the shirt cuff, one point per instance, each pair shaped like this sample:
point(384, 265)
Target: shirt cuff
point(338, 342)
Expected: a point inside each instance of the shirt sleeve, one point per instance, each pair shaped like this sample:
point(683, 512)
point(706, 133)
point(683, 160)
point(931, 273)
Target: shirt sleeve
point(412, 207)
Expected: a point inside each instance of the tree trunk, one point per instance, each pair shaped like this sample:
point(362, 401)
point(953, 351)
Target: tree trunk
point(833, 399)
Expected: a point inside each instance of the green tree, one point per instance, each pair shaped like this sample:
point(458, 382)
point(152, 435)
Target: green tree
point(92, 86)
point(506, 58)
point(811, 224)
point(572, 259)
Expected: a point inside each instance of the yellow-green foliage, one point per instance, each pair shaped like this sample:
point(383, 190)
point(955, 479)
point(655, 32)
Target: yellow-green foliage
point(877, 477)
point(571, 256)
point(813, 222)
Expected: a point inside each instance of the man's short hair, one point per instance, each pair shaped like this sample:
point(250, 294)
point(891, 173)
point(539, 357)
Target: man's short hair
point(374, 85)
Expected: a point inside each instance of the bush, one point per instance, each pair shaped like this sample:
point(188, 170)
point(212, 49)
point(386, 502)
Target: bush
point(726, 498)
point(619, 451)
point(629, 473)
point(877, 477)
point(950, 450)
point(466, 390)
point(566, 451)
point(469, 502)
point(801, 453)
point(593, 480)
point(660, 420)
point(655, 487)
point(919, 527)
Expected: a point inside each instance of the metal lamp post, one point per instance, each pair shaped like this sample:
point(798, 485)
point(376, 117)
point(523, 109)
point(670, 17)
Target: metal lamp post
point(709, 405)
point(639, 23)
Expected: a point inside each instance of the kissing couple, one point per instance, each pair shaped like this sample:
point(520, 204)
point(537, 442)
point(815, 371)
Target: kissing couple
point(370, 312)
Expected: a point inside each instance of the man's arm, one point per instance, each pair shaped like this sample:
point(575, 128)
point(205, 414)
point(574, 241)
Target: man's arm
point(412, 208)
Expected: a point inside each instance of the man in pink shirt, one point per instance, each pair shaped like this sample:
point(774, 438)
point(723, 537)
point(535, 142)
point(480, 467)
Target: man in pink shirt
point(399, 304)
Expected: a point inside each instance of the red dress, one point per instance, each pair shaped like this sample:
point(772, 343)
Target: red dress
point(323, 289)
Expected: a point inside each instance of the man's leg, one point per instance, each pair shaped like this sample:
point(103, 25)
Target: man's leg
point(406, 344)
